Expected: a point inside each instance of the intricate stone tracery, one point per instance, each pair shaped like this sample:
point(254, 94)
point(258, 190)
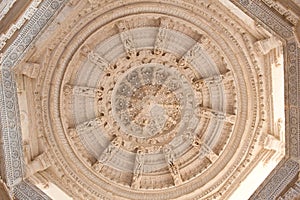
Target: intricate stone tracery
point(154, 106)
point(137, 100)
point(151, 99)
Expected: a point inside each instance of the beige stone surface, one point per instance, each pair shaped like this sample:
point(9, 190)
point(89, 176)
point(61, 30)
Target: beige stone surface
point(153, 100)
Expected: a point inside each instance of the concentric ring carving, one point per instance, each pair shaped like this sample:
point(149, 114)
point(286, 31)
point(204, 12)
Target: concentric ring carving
point(155, 134)
point(153, 101)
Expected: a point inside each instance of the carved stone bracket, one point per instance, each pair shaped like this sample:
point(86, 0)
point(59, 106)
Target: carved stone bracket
point(28, 69)
point(108, 153)
point(40, 163)
point(85, 127)
point(190, 55)
point(266, 45)
point(162, 36)
point(272, 143)
point(210, 113)
point(82, 91)
point(214, 80)
point(94, 57)
point(173, 167)
point(204, 150)
point(273, 147)
point(126, 38)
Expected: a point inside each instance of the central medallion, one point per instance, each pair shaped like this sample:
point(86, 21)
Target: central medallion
point(149, 100)
point(154, 109)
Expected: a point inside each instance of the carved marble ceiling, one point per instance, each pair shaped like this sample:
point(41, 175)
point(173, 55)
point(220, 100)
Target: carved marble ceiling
point(149, 99)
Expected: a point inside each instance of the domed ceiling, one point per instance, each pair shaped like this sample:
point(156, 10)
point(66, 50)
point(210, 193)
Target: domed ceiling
point(149, 100)
point(152, 102)
point(147, 103)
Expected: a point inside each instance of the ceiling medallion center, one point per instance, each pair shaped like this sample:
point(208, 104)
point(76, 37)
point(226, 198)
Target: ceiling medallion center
point(149, 102)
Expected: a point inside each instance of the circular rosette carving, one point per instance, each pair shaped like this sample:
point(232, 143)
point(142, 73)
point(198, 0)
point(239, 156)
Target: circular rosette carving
point(150, 100)
point(146, 105)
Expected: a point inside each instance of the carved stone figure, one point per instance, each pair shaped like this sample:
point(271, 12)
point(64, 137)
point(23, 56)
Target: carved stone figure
point(111, 150)
point(213, 80)
point(161, 37)
point(72, 133)
point(86, 91)
point(124, 89)
point(280, 129)
point(193, 52)
point(87, 126)
point(230, 118)
point(82, 91)
point(120, 104)
point(98, 60)
point(138, 169)
point(175, 173)
point(85, 50)
point(228, 76)
point(196, 142)
point(205, 113)
point(173, 168)
point(169, 154)
point(126, 38)
point(173, 84)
